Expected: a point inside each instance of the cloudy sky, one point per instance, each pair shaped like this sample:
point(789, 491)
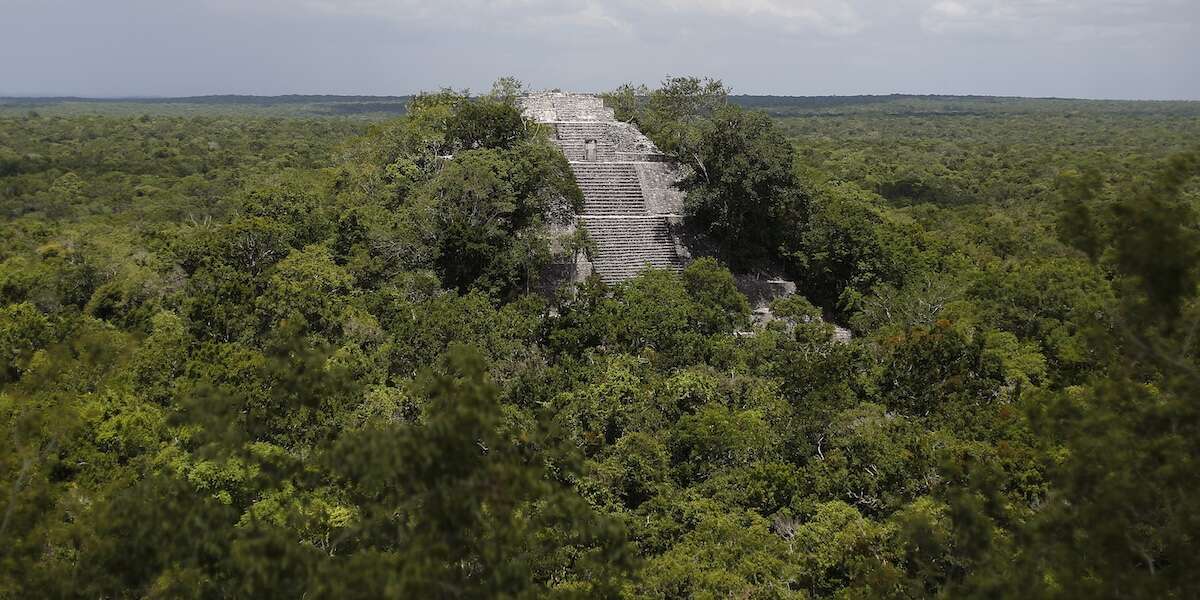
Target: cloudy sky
point(1069, 48)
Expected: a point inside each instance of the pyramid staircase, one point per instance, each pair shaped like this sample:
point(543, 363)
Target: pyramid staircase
point(628, 237)
point(609, 189)
point(626, 245)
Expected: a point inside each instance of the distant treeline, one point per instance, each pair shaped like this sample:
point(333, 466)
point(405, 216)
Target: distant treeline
point(298, 105)
point(225, 105)
point(215, 99)
point(928, 105)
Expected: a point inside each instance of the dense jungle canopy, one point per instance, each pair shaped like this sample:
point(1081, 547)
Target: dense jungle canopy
point(278, 349)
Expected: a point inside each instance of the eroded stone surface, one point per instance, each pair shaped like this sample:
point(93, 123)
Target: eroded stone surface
point(658, 186)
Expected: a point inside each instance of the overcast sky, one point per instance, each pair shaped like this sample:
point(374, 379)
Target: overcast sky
point(1069, 48)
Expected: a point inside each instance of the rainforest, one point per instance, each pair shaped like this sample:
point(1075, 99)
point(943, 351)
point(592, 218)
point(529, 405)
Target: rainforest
point(302, 347)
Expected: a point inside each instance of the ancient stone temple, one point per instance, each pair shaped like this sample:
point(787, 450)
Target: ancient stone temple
point(631, 209)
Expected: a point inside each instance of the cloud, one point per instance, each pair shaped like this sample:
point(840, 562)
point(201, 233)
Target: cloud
point(1058, 20)
point(458, 14)
point(1065, 19)
point(1096, 48)
point(837, 17)
point(834, 17)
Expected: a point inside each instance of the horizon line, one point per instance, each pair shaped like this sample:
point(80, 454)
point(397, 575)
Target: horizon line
point(162, 98)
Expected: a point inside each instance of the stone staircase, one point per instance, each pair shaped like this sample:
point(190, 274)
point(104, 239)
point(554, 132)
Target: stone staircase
point(609, 189)
point(578, 131)
point(628, 244)
point(629, 238)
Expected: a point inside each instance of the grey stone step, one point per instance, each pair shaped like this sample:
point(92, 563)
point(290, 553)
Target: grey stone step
point(627, 245)
point(581, 129)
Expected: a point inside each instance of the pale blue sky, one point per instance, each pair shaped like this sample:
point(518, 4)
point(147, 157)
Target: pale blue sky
point(1072, 48)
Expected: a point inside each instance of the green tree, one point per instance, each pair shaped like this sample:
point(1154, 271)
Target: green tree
point(23, 330)
point(309, 284)
point(848, 244)
point(742, 190)
point(717, 305)
point(475, 206)
point(1119, 521)
point(465, 512)
point(485, 123)
point(676, 111)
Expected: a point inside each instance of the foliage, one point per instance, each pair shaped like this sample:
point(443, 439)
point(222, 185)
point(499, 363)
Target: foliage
point(743, 189)
point(259, 357)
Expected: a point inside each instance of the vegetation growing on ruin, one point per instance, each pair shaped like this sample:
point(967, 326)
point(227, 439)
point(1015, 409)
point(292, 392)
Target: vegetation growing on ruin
point(260, 357)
